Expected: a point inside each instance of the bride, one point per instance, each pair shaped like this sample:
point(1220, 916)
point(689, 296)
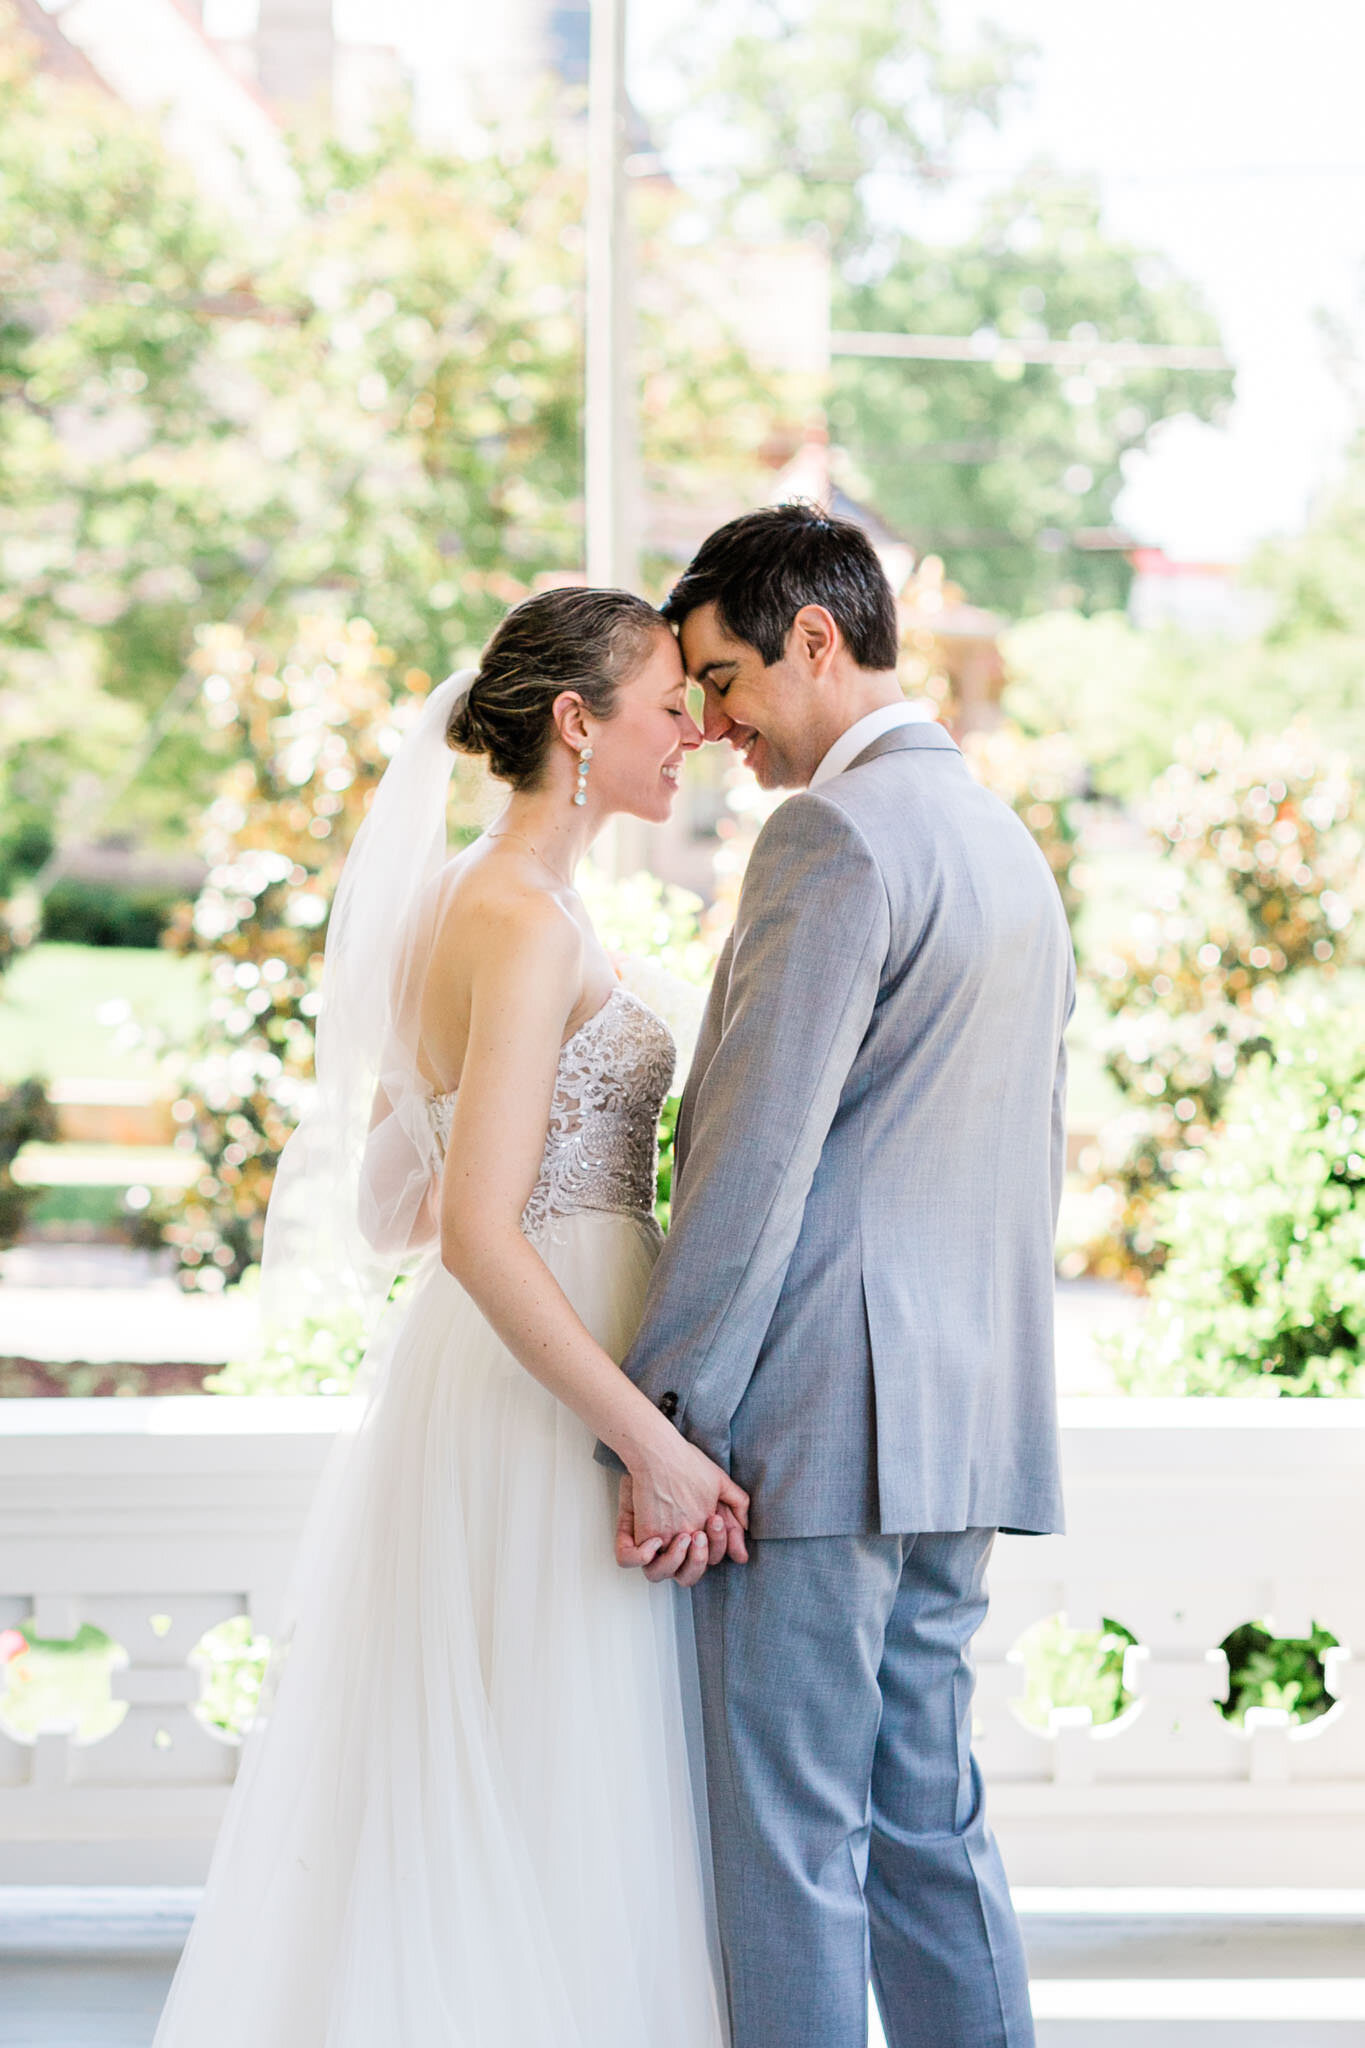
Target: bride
point(465, 1817)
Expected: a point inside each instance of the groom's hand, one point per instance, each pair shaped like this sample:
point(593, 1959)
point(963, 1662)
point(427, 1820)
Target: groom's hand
point(628, 1551)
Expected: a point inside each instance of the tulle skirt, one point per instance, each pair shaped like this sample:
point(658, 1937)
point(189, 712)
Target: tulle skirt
point(468, 1818)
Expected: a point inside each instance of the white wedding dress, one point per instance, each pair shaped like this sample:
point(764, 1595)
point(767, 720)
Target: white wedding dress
point(467, 1819)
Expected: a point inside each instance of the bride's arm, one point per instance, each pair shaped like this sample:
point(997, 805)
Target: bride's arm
point(526, 984)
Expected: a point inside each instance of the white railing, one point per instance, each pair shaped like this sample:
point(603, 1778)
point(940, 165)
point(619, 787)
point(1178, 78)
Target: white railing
point(157, 1519)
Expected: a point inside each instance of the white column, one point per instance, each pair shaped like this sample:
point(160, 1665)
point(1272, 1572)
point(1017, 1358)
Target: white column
point(611, 496)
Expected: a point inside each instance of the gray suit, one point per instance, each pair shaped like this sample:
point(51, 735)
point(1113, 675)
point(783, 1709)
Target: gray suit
point(853, 1314)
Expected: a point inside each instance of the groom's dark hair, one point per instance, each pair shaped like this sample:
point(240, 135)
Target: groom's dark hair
point(761, 568)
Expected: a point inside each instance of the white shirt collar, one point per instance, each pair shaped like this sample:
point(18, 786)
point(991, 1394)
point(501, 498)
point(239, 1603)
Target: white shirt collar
point(848, 746)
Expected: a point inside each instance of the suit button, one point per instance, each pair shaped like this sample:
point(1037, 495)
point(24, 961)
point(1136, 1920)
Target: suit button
point(668, 1405)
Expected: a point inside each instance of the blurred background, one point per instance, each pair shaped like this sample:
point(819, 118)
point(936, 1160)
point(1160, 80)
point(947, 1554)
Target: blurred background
point(330, 330)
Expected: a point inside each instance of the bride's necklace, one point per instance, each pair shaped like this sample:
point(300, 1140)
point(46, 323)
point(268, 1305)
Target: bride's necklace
point(567, 880)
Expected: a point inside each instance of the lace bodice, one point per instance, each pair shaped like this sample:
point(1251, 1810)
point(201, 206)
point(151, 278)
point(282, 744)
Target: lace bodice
point(601, 1149)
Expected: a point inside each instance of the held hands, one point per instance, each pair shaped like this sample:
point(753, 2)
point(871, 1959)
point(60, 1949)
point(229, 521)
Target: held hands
point(679, 1514)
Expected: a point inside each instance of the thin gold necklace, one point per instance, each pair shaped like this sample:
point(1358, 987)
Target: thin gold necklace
point(549, 866)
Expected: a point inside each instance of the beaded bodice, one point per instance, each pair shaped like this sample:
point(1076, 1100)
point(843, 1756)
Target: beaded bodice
point(601, 1148)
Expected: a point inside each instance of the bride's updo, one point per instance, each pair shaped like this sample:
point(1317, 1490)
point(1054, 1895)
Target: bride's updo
point(588, 641)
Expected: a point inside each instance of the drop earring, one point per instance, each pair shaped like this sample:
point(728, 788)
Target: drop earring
point(580, 795)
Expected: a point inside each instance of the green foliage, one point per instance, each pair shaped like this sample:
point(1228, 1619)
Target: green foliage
point(668, 1131)
point(66, 1682)
point(833, 119)
point(306, 737)
point(233, 1659)
point(372, 403)
point(62, 1682)
point(1129, 699)
point(1126, 699)
point(314, 1358)
point(1262, 879)
point(802, 110)
point(26, 1115)
point(666, 954)
point(1010, 470)
point(1277, 1671)
point(1262, 1288)
point(124, 482)
point(641, 919)
point(1073, 1667)
point(1067, 1667)
point(97, 914)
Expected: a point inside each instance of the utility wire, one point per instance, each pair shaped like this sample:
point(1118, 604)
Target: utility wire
point(988, 347)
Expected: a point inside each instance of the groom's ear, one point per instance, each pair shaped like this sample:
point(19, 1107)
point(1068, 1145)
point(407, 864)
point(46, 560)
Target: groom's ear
point(814, 639)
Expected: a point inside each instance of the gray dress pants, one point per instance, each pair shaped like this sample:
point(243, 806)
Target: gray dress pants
point(846, 1809)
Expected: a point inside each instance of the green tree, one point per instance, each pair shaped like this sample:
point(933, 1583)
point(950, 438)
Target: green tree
point(834, 118)
point(1010, 470)
point(371, 407)
point(112, 438)
point(803, 112)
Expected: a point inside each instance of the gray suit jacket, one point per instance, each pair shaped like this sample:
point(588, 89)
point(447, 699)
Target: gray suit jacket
point(853, 1310)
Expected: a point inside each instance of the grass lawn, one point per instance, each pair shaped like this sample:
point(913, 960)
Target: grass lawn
point(63, 1010)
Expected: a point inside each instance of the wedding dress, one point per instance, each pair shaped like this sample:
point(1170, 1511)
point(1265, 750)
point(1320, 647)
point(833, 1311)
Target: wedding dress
point(467, 1820)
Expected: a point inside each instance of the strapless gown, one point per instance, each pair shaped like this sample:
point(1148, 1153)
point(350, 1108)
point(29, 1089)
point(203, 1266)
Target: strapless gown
point(467, 1817)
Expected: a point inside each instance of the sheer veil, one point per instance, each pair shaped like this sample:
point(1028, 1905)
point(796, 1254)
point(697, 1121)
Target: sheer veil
point(349, 1196)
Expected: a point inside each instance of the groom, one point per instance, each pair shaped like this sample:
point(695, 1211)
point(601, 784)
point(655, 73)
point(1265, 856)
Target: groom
point(853, 1311)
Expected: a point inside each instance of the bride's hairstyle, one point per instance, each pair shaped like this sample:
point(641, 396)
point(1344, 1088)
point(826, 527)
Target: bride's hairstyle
point(588, 641)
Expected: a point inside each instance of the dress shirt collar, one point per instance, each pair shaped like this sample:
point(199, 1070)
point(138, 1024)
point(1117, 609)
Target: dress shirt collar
point(850, 744)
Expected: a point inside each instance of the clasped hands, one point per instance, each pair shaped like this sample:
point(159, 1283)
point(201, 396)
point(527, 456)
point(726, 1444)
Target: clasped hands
point(667, 1525)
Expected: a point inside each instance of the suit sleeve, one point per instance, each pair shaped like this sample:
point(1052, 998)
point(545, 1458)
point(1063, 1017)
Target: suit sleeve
point(810, 944)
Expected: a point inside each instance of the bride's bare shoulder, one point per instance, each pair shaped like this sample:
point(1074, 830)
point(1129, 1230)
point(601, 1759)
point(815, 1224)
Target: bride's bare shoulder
point(497, 904)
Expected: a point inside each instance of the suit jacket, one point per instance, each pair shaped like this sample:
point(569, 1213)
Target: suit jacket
point(853, 1309)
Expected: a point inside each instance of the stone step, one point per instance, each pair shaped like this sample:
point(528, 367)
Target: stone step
point(88, 1967)
point(1295, 2012)
point(1172, 1969)
point(106, 1112)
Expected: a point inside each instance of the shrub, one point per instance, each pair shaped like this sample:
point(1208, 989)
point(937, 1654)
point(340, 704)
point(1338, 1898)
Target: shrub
point(1262, 846)
point(1262, 1284)
point(233, 1660)
point(98, 914)
point(310, 736)
point(1067, 1667)
point(25, 1115)
point(1277, 1671)
point(312, 1358)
